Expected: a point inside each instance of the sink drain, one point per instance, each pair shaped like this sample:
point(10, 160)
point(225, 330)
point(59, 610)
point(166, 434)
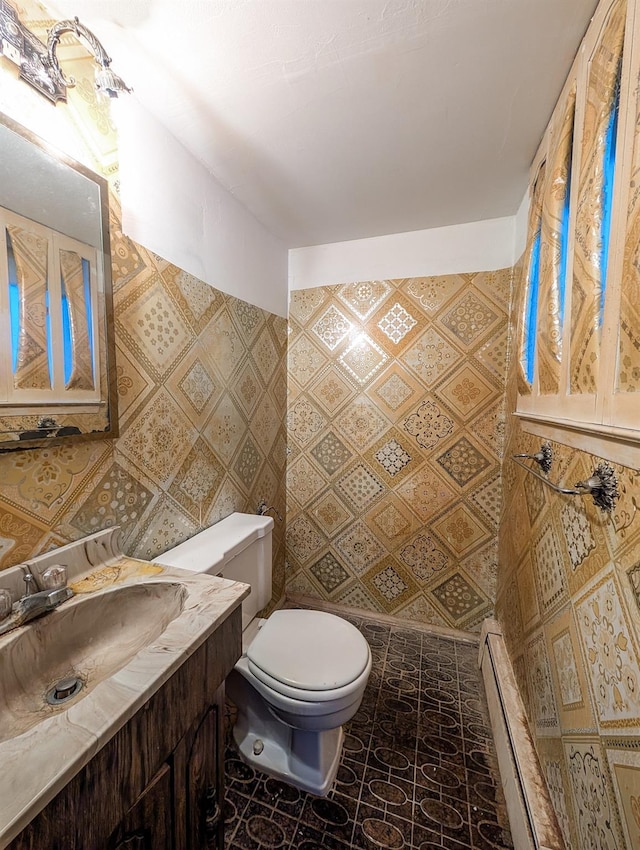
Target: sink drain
point(64, 690)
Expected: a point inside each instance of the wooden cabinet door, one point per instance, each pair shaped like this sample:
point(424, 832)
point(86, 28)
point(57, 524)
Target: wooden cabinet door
point(203, 786)
point(148, 825)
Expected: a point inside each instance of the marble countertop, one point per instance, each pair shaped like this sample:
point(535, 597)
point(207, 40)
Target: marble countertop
point(38, 763)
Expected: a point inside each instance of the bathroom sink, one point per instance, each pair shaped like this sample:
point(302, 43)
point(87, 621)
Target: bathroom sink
point(81, 644)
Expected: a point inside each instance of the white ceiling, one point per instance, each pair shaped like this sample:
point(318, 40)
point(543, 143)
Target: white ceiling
point(340, 119)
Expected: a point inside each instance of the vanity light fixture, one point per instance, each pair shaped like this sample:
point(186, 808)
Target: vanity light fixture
point(38, 62)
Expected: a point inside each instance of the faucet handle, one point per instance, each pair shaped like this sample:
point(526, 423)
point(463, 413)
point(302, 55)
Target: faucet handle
point(55, 577)
point(5, 603)
point(30, 582)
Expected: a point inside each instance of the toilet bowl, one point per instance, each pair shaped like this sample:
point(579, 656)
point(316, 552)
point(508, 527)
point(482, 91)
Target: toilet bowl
point(302, 673)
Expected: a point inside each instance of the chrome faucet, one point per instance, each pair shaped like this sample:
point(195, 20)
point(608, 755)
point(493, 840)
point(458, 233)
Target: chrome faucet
point(36, 603)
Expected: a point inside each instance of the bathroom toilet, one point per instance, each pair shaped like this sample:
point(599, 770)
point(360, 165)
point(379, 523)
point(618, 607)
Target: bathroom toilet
point(302, 673)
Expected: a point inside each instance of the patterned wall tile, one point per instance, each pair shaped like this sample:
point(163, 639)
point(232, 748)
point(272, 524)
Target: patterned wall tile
point(396, 324)
point(431, 357)
point(541, 694)
point(392, 457)
point(423, 557)
point(226, 428)
point(466, 392)
point(551, 583)
point(331, 390)
point(329, 573)
point(390, 584)
point(332, 327)
point(554, 769)
point(363, 359)
point(304, 481)
point(432, 293)
point(372, 390)
point(364, 297)
point(429, 424)
point(331, 453)
point(460, 530)
point(303, 539)
point(196, 483)
point(391, 522)
point(470, 318)
point(610, 655)
point(426, 493)
point(460, 598)
point(529, 609)
point(360, 487)
point(395, 391)
point(595, 811)
point(330, 513)
point(305, 359)
point(623, 757)
point(198, 301)
point(361, 423)
point(359, 548)
point(463, 461)
point(118, 498)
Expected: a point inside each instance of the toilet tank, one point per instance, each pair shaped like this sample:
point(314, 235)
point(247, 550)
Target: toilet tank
point(238, 548)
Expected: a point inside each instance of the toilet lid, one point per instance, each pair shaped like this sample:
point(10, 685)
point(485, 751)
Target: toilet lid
point(309, 650)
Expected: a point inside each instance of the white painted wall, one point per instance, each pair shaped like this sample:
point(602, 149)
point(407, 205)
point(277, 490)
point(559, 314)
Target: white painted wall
point(174, 207)
point(478, 246)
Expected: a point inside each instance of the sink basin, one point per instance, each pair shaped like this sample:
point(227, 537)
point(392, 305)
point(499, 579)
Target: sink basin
point(89, 638)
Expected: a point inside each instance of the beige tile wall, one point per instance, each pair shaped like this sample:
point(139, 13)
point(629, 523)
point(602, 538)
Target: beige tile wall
point(201, 392)
point(395, 427)
point(568, 597)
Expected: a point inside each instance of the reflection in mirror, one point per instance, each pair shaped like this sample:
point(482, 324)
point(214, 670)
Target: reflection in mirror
point(56, 321)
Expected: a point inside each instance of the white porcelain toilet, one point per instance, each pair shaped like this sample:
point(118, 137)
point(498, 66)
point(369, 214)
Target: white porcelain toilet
point(302, 673)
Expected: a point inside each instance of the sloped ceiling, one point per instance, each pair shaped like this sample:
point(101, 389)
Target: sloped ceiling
point(340, 119)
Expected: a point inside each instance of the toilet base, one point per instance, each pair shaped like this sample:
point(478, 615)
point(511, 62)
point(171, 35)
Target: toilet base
point(304, 759)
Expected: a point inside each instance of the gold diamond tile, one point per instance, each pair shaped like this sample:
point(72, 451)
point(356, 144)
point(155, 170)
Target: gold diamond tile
point(464, 460)
point(133, 384)
point(426, 493)
point(149, 322)
point(331, 390)
point(266, 354)
point(226, 428)
point(304, 540)
point(431, 356)
point(469, 318)
point(359, 548)
point(390, 584)
point(304, 482)
point(460, 598)
point(494, 354)
point(265, 424)
point(198, 301)
point(361, 423)
point(248, 318)
point(460, 530)
point(364, 297)
point(423, 557)
point(360, 486)
point(195, 385)
point(393, 457)
point(330, 513)
point(332, 327)
point(395, 392)
point(304, 360)
point(391, 522)
point(431, 293)
point(226, 347)
point(363, 359)
point(304, 421)
point(396, 324)
point(304, 303)
point(246, 389)
point(466, 392)
point(198, 480)
point(428, 425)
point(159, 439)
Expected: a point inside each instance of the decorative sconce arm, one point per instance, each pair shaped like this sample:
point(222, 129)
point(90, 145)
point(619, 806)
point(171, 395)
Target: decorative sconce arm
point(106, 80)
point(543, 457)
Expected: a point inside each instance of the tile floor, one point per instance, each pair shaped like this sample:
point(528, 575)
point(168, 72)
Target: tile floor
point(418, 766)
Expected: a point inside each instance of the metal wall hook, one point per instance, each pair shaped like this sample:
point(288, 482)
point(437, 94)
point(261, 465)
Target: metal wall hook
point(602, 484)
point(262, 509)
point(543, 457)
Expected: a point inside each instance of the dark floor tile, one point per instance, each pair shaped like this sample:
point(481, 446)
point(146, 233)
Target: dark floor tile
point(418, 770)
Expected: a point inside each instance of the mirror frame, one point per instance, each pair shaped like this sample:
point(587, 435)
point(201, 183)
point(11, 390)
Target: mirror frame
point(38, 433)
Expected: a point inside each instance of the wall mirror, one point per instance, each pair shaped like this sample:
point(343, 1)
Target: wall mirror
point(57, 355)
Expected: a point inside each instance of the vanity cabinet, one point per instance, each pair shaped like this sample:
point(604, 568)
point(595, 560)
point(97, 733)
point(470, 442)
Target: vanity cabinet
point(158, 784)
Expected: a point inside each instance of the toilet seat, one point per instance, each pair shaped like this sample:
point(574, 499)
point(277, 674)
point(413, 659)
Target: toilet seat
point(311, 656)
